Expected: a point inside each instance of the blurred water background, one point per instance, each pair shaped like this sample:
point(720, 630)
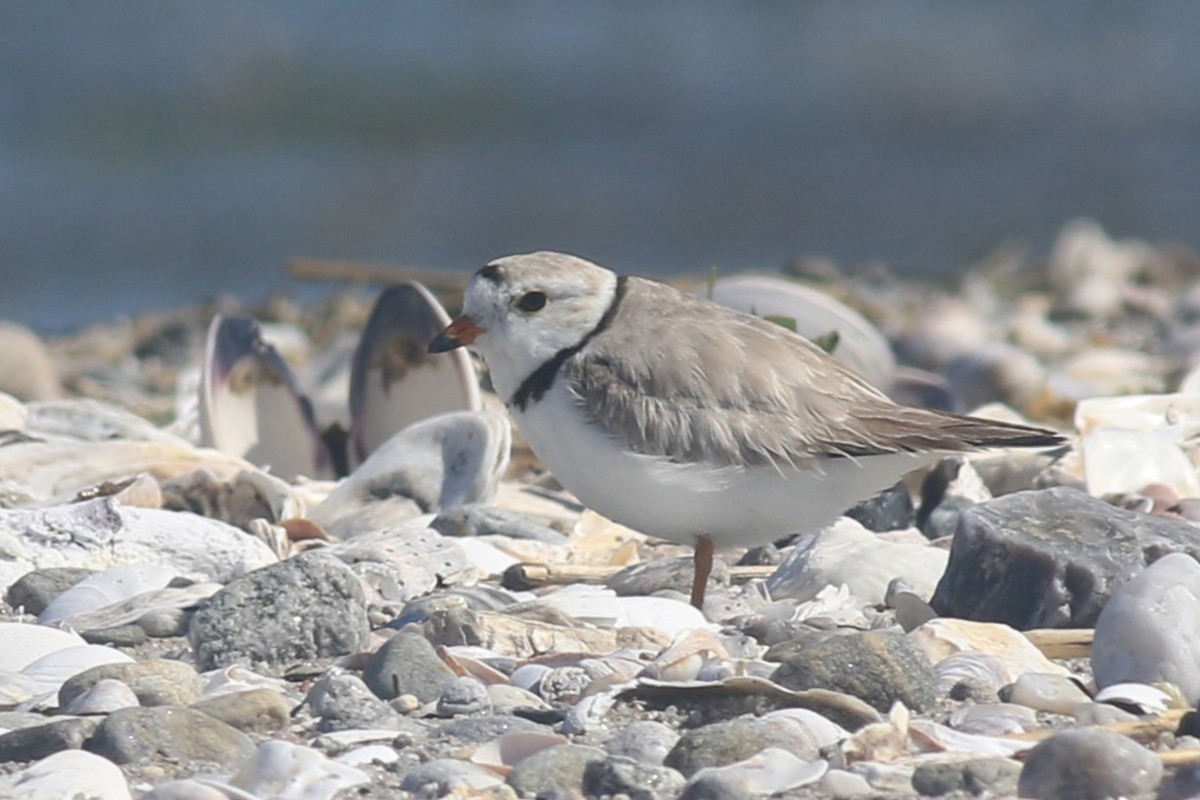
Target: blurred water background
point(153, 154)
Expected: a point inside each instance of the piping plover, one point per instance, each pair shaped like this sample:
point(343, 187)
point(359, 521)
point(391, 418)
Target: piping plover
point(687, 420)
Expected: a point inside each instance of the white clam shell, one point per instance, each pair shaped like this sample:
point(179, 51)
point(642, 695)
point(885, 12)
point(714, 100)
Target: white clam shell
point(51, 671)
point(502, 754)
point(110, 586)
point(105, 696)
point(285, 771)
point(769, 772)
point(24, 644)
point(861, 346)
point(71, 774)
point(1147, 698)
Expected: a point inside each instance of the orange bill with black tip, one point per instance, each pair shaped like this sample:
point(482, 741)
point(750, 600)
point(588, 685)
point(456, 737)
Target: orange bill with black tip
point(460, 332)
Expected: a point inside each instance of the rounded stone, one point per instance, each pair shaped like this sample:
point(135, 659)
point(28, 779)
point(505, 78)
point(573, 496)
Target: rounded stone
point(33, 591)
point(407, 664)
point(141, 735)
point(254, 711)
point(878, 667)
point(156, 682)
point(464, 695)
point(637, 780)
point(310, 606)
point(1088, 764)
point(727, 742)
point(556, 768)
point(644, 740)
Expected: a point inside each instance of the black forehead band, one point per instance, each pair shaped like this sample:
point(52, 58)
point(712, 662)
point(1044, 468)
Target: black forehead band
point(492, 273)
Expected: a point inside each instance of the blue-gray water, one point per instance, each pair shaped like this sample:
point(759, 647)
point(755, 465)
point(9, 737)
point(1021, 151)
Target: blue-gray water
point(152, 154)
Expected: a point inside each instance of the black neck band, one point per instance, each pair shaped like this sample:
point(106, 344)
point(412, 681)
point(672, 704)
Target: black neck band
point(541, 379)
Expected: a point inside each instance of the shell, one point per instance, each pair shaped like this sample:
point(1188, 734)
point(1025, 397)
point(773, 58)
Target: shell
point(1138, 697)
point(71, 773)
point(993, 719)
point(287, 771)
point(686, 656)
point(25, 644)
point(106, 695)
point(394, 381)
point(104, 589)
point(502, 754)
point(769, 772)
point(52, 670)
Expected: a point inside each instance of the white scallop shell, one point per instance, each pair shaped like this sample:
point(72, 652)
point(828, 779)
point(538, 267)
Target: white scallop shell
point(106, 588)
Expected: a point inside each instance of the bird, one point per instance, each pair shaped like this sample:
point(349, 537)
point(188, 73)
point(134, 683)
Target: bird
point(687, 420)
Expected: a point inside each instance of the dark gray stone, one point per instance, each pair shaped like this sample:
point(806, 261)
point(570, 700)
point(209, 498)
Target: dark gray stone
point(444, 776)
point(407, 664)
point(635, 780)
point(878, 667)
point(254, 711)
point(34, 590)
point(306, 607)
point(560, 767)
point(889, 510)
point(1184, 784)
point(727, 742)
point(985, 775)
point(714, 787)
point(477, 730)
point(1089, 764)
point(165, 623)
point(39, 741)
point(140, 735)
point(464, 695)
point(482, 520)
point(664, 573)
point(343, 702)
point(155, 681)
point(644, 740)
point(1050, 558)
point(120, 636)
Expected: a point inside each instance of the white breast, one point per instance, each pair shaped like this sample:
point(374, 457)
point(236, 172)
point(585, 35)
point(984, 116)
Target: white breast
point(735, 506)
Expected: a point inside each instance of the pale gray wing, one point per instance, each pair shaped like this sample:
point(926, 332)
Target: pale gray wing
point(679, 377)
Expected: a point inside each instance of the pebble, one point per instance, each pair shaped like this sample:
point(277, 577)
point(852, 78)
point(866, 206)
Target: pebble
point(478, 730)
point(39, 741)
point(554, 768)
point(723, 743)
point(649, 577)
point(155, 682)
point(1184, 784)
point(985, 776)
point(465, 695)
point(35, 590)
point(645, 740)
point(27, 371)
point(141, 735)
point(1056, 694)
point(843, 785)
point(1149, 631)
point(889, 510)
point(636, 780)
point(407, 664)
point(449, 776)
point(1049, 558)
point(253, 711)
point(344, 702)
point(1088, 764)
point(483, 520)
point(310, 606)
point(879, 667)
point(847, 553)
point(714, 786)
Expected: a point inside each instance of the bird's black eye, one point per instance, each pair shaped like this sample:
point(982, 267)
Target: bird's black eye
point(532, 301)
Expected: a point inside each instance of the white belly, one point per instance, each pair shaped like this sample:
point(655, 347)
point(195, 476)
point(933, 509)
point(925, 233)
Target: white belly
point(736, 507)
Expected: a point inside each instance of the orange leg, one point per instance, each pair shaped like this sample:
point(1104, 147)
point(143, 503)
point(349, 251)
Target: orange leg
point(703, 559)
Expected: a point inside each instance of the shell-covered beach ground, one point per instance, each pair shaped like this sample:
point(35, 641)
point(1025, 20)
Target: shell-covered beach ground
point(297, 558)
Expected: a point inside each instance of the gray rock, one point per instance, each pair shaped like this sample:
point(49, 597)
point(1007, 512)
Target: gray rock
point(1184, 784)
point(254, 711)
point(39, 741)
point(645, 740)
point(889, 510)
point(444, 776)
point(464, 695)
point(714, 787)
point(156, 682)
point(309, 606)
point(1150, 629)
point(119, 636)
point(343, 702)
point(165, 623)
point(1088, 764)
point(477, 730)
point(842, 785)
point(985, 775)
point(878, 667)
point(1050, 558)
point(481, 520)
point(636, 780)
point(407, 664)
point(34, 590)
point(140, 735)
point(560, 767)
point(727, 742)
point(649, 577)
